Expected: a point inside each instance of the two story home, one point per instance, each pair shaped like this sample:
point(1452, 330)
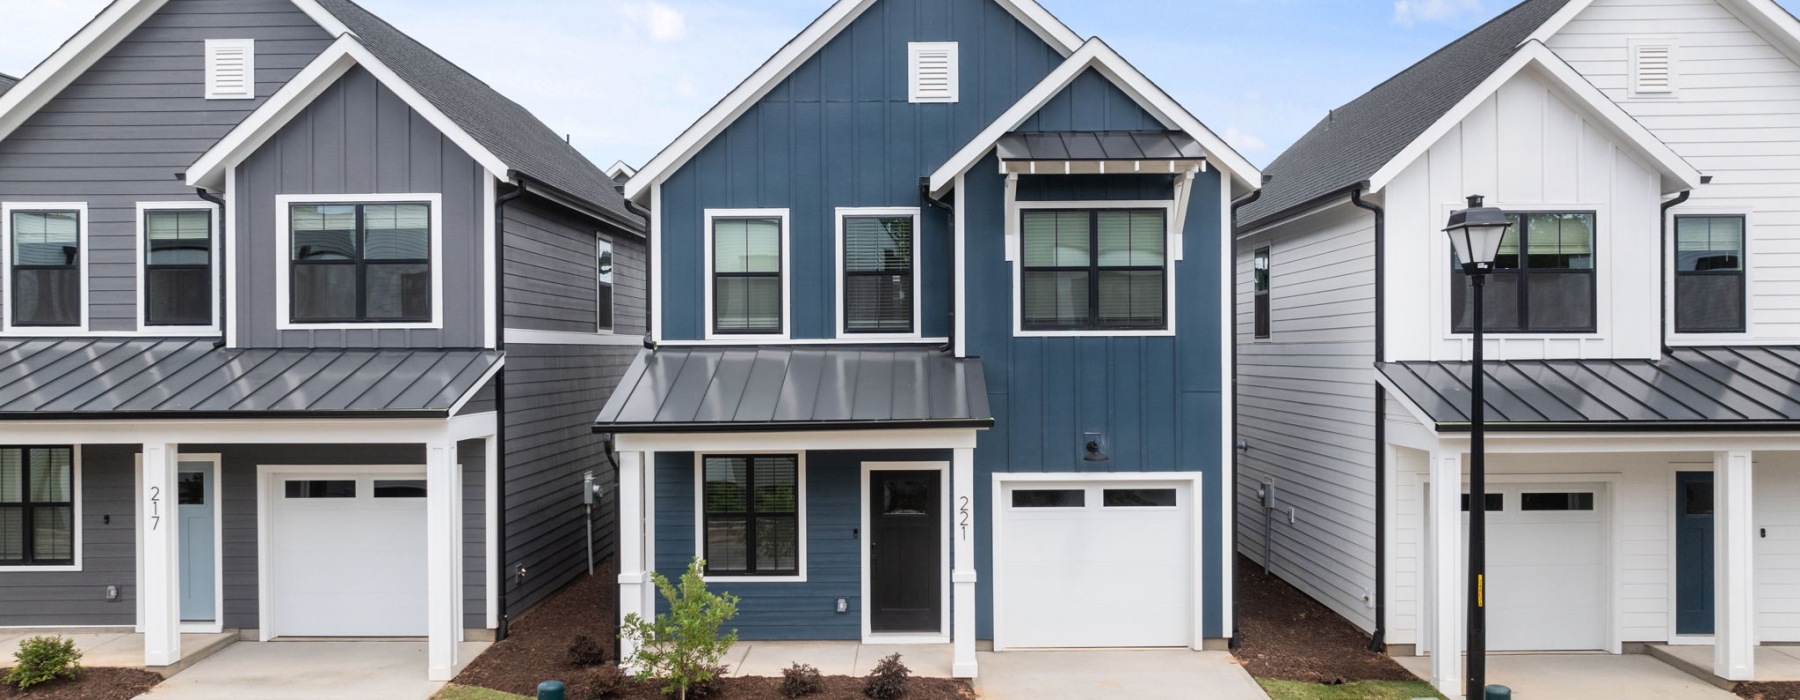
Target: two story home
point(1640, 331)
point(302, 332)
point(940, 316)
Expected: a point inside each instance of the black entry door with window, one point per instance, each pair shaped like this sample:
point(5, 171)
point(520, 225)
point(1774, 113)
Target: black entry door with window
point(905, 552)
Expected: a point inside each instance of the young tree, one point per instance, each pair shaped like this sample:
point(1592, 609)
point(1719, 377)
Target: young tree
point(682, 648)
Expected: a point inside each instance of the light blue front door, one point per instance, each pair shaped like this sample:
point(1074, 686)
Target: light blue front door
point(197, 494)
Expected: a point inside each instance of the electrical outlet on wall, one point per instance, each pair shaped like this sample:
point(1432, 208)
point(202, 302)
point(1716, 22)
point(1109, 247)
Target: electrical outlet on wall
point(1293, 515)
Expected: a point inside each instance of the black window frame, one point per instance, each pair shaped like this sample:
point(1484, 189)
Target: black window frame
point(1093, 269)
point(212, 289)
point(72, 265)
point(28, 508)
point(362, 264)
point(750, 515)
point(1262, 277)
point(1524, 272)
point(605, 257)
point(1742, 273)
point(779, 275)
point(911, 274)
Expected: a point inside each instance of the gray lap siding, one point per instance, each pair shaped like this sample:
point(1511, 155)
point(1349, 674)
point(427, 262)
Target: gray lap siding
point(550, 277)
point(108, 555)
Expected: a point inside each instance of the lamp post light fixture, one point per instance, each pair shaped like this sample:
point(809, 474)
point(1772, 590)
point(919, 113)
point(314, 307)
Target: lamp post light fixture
point(1475, 234)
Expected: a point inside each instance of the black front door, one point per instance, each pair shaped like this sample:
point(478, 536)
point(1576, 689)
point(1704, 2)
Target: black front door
point(905, 564)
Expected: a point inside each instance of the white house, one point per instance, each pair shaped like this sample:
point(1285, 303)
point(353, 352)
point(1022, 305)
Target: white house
point(1642, 338)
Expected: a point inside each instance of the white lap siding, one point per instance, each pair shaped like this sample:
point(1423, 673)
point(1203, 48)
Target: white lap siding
point(1776, 515)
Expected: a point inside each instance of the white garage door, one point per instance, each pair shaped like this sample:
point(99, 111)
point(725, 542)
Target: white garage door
point(347, 555)
point(1094, 564)
point(1547, 564)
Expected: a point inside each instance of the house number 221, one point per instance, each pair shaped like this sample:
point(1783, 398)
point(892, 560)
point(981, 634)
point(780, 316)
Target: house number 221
point(962, 513)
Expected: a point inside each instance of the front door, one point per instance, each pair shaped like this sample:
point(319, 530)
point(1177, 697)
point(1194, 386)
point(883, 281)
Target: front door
point(905, 552)
point(197, 500)
point(1694, 553)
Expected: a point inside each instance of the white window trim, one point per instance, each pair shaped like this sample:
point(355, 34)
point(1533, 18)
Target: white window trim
point(913, 51)
point(6, 248)
point(80, 526)
point(1631, 67)
point(142, 264)
point(700, 513)
point(1676, 337)
point(284, 315)
point(600, 238)
point(1171, 243)
point(838, 272)
point(942, 636)
point(787, 273)
point(249, 48)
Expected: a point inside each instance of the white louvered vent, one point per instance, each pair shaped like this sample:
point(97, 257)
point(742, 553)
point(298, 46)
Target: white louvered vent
point(932, 72)
point(230, 69)
point(1652, 68)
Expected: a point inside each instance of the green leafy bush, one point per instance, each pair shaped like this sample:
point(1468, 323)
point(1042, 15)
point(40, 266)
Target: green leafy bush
point(888, 680)
point(600, 683)
point(800, 680)
point(682, 649)
point(44, 659)
point(586, 652)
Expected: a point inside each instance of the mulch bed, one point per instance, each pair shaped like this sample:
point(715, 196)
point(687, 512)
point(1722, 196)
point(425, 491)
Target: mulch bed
point(537, 649)
point(90, 684)
point(1769, 691)
point(1287, 635)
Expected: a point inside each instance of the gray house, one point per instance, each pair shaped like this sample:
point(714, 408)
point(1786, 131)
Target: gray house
point(302, 331)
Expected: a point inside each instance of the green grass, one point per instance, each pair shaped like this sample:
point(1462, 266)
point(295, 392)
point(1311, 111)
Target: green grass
point(466, 692)
point(1361, 690)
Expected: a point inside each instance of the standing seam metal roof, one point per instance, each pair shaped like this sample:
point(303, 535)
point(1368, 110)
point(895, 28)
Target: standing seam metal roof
point(1099, 145)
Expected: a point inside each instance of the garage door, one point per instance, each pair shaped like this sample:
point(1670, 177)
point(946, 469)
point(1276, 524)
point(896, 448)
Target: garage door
point(1094, 564)
point(347, 555)
point(1547, 564)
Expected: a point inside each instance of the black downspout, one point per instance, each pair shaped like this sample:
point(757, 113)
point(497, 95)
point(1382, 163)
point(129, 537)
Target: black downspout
point(649, 276)
point(219, 243)
point(501, 576)
point(1237, 641)
point(1378, 641)
point(925, 193)
point(1662, 264)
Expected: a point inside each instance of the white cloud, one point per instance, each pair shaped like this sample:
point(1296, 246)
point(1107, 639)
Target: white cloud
point(662, 22)
point(1410, 12)
point(1245, 143)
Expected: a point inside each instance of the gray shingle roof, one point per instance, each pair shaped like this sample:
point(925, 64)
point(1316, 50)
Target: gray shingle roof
point(47, 378)
point(1357, 139)
point(1743, 388)
point(502, 126)
point(719, 389)
point(6, 83)
point(1099, 145)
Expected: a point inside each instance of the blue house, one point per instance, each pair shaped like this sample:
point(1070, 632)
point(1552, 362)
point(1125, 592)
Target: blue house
point(938, 343)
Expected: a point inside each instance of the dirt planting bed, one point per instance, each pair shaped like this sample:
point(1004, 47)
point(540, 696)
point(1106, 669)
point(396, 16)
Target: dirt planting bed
point(90, 684)
point(1289, 636)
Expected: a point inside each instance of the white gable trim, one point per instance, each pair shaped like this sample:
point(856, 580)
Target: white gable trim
point(1677, 174)
point(789, 59)
point(621, 168)
point(1097, 55)
point(1763, 16)
point(327, 21)
point(209, 170)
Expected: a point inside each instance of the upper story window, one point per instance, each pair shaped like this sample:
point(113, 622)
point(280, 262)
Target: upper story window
point(230, 69)
point(178, 267)
point(1543, 279)
point(751, 511)
point(1260, 268)
point(37, 506)
point(1094, 269)
point(878, 290)
point(932, 72)
point(749, 295)
point(45, 246)
point(603, 281)
point(361, 262)
point(1709, 274)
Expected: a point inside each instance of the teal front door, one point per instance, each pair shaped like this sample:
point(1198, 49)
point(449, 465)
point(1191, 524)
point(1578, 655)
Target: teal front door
point(197, 494)
point(1694, 553)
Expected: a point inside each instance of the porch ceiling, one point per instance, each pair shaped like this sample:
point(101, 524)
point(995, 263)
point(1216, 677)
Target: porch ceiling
point(1718, 388)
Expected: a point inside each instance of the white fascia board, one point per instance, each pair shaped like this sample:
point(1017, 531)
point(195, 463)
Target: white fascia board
point(621, 168)
point(268, 120)
point(327, 21)
point(789, 59)
point(70, 60)
point(1096, 54)
point(1677, 174)
point(1557, 21)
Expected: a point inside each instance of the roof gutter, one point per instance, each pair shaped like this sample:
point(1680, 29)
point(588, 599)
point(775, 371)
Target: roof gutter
point(564, 198)
point(925, 194)
point(1378, 640)
point(789, 426)
point(1310, 204)
point(1231, 430)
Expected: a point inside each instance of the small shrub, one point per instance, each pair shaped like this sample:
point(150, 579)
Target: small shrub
point(586, 652)
point(602, 683)
point(682, 648)
point(888, 680)
point(44, 659)
point(801, 680)
point(711, 688)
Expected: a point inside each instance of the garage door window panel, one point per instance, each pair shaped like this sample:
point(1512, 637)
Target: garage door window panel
point(752, 515)
point(37, 506)
point(1049, 498)
point(1556, 501)
point(337, 488)
point(403, 488)
point(1139, 498)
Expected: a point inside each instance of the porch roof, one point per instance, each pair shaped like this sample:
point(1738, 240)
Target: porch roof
point(114, 378)
point(1698, 389)
point(806, 388)
point(1099, 145)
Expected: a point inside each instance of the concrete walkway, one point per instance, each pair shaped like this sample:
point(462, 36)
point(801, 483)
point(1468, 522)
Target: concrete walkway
point(360, 670)
point(1103, 675)
point(121, 649)
point(1559, 676)
point(1773, 663)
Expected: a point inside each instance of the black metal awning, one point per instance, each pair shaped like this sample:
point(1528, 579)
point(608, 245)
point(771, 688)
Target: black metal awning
point(1099, 146)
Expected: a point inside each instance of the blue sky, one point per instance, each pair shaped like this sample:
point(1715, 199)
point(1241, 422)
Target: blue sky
point(624, 77)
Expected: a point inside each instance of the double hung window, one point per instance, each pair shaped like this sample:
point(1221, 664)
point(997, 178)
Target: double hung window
point(46, 268)
point(37, 506)
point(747, 287)
point(360, 263)
point(1709, 274)
point(178, 276)
point(878, 285)
point(1541, 282)
point(1095, 269)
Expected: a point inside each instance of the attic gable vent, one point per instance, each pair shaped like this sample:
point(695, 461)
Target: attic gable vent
point(932, 72)
point(230, 69)
point(1652, 68)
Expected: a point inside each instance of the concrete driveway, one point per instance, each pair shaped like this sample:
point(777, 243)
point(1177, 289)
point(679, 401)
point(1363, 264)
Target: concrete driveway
point(1558, 676)
point(360, 670)
point(1101, 675)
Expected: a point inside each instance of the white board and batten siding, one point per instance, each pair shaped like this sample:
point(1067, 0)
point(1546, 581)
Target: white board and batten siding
point(1733, 113)
point(1305, 403)
point(1528, 147)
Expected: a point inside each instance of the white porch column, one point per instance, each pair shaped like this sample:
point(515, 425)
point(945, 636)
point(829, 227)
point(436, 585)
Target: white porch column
point(1734, 568)
point(632, 576)
point(1447, 577)
point(162, 555)
point(443, 545)
point(962, 569)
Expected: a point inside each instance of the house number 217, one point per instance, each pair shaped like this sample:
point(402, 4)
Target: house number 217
point(962, 513)
point(155, 503)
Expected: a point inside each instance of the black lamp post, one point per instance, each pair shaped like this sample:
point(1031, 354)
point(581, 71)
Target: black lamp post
point(1475, 235)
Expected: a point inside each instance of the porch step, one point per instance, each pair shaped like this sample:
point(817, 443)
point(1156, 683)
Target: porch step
point(1688, 664)
point(195, 648)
